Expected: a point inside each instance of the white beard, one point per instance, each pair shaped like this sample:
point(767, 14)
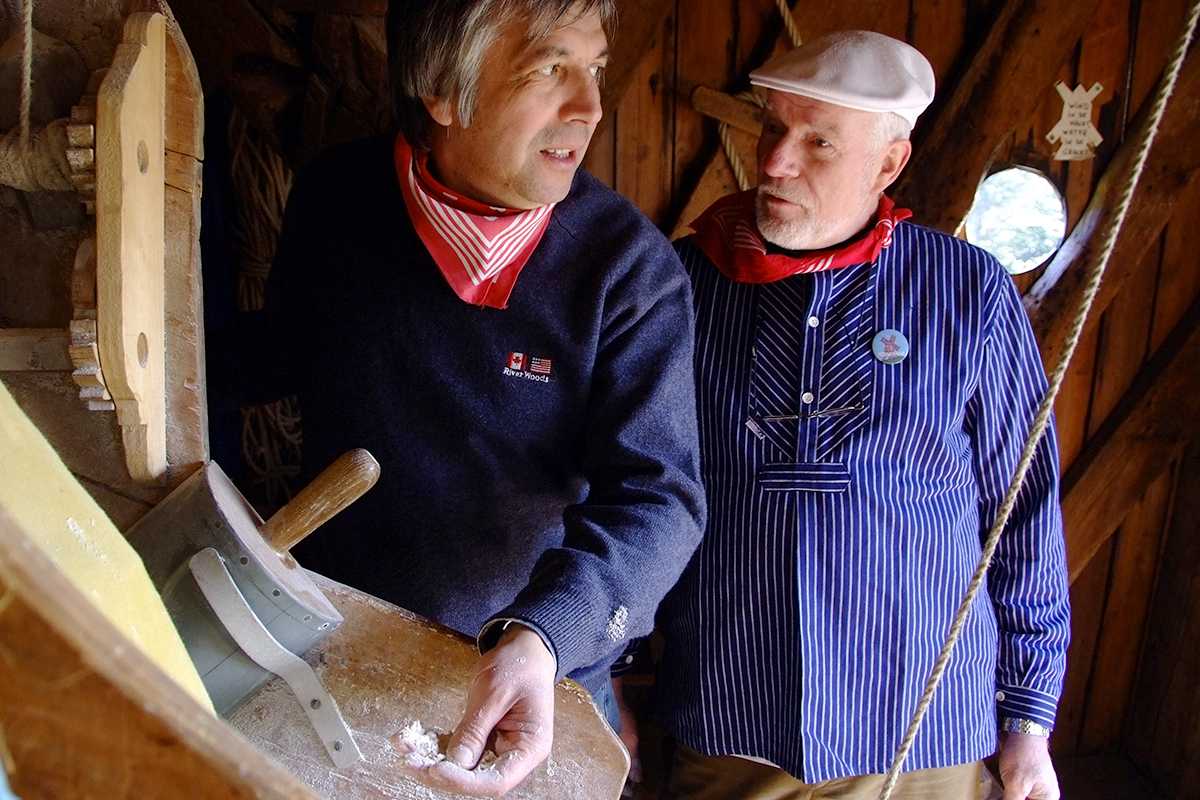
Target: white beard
point(797, 233)
point(809, 230)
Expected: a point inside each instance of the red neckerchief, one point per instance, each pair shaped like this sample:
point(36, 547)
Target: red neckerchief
point(728, 234)
point(480, 249)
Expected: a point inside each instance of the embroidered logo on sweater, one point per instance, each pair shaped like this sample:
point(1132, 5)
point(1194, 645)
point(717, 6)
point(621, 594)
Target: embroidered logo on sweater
point(616, 624)
point(532, 368)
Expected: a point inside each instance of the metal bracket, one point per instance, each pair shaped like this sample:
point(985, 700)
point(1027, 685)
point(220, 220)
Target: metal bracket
point(227, 602)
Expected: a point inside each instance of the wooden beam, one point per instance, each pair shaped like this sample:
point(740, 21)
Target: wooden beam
point(1171, 167)
point(741, 114)
point(639, 21)
point(34, 349)
point(1143, 436)
point(958, 141)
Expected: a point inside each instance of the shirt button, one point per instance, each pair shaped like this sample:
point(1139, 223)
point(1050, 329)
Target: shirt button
point(813, 322)
point(807, 398)
point(1000, 696)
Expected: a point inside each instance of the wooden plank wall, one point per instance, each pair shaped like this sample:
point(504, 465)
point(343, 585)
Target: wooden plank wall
point(655, 147)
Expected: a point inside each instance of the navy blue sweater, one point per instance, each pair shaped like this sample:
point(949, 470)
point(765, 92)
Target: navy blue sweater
point(571, 501)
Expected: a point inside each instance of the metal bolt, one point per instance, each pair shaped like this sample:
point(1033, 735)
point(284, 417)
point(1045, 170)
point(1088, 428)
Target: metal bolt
point(275, 592)
point(337, 745)
point(315, 703)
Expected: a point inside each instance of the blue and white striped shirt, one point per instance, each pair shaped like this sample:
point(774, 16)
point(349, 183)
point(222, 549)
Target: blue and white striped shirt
point(839, 544)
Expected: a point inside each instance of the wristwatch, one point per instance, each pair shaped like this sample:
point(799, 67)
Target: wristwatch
point(1024, 726)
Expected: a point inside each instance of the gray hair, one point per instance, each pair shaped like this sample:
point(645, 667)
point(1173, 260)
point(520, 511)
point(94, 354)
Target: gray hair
point(437, 48)
point(892, 128)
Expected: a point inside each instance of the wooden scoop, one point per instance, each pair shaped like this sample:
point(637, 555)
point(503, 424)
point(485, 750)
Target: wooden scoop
point(338, 485)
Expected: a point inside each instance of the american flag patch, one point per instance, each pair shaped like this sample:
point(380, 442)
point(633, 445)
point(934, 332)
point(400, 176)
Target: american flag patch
point(539, 366)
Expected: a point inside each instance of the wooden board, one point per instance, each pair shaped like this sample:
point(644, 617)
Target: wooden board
point(1135, 445)
point(183, 309)
point(385, 667)
point(34, 349)
point(643, 165)
point(1162, 736)
point(962, 133)
point(129, 241)
point(1104, 777)
point(1172, 166)
point(60, 518)
point(84, 714)
point(1135, 564)
point(1087, 613)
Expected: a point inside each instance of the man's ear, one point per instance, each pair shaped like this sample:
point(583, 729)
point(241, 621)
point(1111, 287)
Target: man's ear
point(895, 156)
point(441, 109)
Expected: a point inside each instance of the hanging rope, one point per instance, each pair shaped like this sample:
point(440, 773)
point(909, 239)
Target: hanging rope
point(1165, 87)
point(26, 71)
point(789, 23)
point(33, 160)
point(39, 165)
point(723, 130)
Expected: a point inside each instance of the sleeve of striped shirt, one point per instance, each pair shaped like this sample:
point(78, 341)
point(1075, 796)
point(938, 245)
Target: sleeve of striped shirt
point(628, 541)
point(1028, 579)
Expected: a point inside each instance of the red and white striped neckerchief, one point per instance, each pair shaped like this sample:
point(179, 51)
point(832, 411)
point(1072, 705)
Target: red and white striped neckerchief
point(728, 234)
point(480, 249)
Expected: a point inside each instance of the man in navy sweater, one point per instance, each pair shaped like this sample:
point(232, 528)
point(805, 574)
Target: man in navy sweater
point(513, 342)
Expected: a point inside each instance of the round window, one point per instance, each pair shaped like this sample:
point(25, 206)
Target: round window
point(1018, 216)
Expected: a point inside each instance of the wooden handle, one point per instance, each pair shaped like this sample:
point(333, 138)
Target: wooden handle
point(339, 485)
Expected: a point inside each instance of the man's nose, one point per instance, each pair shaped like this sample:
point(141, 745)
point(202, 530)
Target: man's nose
point(583, 103)
point(778, 159)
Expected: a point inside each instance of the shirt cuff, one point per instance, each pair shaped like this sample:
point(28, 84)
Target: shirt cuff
point(494, 628)
point(624, 662)
point(1021, 703)
point(563, 619)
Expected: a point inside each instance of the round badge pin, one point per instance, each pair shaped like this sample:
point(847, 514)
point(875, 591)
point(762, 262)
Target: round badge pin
point(890, 346)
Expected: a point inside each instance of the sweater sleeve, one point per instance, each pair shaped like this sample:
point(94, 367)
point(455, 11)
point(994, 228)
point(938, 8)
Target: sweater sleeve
point(627, 542)
point(1027, 582)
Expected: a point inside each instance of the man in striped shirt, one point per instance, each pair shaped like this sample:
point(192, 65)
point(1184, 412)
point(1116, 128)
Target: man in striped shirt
point(864, 389)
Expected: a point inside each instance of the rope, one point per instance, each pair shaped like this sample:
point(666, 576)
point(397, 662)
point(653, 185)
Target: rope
point(789, 23)
point(735, 160)
point(26, 71)
point(39, 165)
point(264, 180)
point(723, 130)
point(1041, 421)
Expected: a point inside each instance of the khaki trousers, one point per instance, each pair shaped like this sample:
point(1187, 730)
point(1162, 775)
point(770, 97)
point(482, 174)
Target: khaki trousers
point(694, 776)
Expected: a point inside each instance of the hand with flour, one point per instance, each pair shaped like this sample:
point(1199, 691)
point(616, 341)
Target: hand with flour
point(510, 711)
